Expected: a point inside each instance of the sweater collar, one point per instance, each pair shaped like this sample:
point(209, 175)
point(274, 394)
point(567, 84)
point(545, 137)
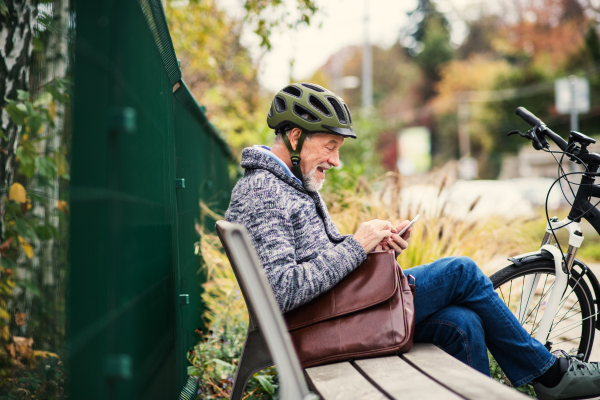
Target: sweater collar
point(253, 158)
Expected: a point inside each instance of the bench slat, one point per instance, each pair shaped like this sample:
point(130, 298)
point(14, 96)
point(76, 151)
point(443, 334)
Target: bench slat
point(457, 376)
point(341, 381)
point(402, 381)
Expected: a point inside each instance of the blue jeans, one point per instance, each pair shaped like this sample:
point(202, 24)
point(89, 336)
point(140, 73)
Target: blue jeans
point(457, 309)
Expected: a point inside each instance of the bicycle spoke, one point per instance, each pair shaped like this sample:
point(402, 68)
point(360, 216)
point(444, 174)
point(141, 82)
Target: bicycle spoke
point(572, 290)
point(577, 311)
point(502, 294)
point(542, 298)
point(576, 323)
point(509, 294)
point(553, 325)
point(565, 341)
point(538, 306)
point(528, 298)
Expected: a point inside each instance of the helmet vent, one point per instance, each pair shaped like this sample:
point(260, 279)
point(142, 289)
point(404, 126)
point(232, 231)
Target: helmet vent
point(338, 109)
point(292, 91)
point(280, 104)
point(348, 112)
point(319, 105)
point(271, 112)
point(316, 88)
point(305, 114)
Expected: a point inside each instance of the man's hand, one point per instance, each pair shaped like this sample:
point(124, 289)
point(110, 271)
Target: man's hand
point(371, 233)
point(397, 242)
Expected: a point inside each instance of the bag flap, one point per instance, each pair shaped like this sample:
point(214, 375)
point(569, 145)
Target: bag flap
point(372, 282)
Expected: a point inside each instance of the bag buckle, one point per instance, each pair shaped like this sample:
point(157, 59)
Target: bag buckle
point(413, 284)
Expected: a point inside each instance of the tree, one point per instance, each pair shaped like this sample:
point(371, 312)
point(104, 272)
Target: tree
point(16, 46)
point(218, 68)
point(427, 39)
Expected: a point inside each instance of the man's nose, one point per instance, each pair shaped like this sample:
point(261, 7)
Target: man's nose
point(334, 159)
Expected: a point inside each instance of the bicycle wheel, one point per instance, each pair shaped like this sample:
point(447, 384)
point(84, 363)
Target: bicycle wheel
point(573, 326)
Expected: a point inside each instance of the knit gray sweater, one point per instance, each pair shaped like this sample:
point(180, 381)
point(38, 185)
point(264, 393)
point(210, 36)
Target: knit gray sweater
point(302, 252)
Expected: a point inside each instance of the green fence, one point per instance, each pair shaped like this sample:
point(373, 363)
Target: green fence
point(143, 156)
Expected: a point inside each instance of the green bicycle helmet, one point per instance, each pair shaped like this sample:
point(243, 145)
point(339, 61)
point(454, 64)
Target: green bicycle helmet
point(311, 108)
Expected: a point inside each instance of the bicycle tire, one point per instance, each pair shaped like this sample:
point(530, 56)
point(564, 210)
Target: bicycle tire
point(515, 276)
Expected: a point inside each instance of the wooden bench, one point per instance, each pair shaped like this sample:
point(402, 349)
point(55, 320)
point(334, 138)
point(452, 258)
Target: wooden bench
point(426, 372)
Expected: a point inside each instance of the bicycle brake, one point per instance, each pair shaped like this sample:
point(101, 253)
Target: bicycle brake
point(527, 135)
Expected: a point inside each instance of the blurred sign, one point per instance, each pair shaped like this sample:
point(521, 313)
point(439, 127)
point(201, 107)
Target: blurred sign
point(572, 95)
point(414, 150)
point(350, 82)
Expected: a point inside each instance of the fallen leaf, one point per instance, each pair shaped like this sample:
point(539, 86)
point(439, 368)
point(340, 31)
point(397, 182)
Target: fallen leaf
point(17, 193)
point(20, 318)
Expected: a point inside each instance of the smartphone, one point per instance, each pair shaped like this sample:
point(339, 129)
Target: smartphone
point(408, 226)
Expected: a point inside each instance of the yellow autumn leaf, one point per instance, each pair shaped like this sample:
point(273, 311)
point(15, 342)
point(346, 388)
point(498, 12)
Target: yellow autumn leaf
point(44, 354)
point(4, 333)
point(62, 206)
point(26, 246)
point(17, 193)
point(4, 314)
point(52, 110)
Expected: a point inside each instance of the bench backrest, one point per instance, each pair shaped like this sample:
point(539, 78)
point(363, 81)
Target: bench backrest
point(263, 309)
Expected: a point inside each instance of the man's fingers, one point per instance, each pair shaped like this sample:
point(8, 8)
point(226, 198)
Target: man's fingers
point(402, 225)
point(400, 241)
point(398, 249)
point(383, 224)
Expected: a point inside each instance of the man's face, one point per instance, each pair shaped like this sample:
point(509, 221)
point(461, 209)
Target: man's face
point(318, 155)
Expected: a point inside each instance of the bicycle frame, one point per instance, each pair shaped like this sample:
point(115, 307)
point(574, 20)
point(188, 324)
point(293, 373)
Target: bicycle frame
point(581, 207)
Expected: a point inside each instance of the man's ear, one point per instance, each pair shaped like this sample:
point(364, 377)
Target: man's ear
point(294, 136)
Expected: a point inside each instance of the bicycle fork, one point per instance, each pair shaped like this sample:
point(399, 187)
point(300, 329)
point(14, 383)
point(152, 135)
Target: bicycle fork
point(561, 273)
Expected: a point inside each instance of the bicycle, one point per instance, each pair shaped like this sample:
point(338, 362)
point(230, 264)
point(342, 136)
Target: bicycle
point(562, 314)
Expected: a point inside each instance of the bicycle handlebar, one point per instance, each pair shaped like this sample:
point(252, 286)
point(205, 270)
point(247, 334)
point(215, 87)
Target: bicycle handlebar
point(528, 117)
point(537, 123)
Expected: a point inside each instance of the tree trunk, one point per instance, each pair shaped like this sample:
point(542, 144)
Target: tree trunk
point(16, 48)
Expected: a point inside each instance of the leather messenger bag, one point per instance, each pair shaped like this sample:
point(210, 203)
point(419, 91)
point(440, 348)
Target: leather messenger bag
point(370, 313)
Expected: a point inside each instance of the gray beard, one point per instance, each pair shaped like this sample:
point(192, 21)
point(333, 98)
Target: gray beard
point(310, 181)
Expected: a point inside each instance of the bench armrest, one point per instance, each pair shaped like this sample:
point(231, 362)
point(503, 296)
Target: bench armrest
point(259, 298)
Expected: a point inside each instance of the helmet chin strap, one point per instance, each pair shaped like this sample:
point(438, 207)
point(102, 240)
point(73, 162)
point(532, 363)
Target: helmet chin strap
point(296, 170)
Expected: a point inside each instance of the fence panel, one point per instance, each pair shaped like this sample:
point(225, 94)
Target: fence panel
point(132, 231)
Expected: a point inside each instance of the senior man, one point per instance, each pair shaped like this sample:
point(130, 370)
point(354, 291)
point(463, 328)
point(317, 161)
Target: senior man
point(304, 255)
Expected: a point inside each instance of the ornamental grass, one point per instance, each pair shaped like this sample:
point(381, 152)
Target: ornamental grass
point(435, 235)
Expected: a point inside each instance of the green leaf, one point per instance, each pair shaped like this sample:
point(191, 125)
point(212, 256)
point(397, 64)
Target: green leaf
point(26, 162)
point(22, 94)
point(8, 263)
point(266, 384)
point(62, 165)
point(3, 8)
point(44, 99)
point(25, 229)
point(31, 287)
point(46, 167)
point(45, 232)
point(221, 362)
point(193, 371)
point(16, 113)
point(34, 123)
